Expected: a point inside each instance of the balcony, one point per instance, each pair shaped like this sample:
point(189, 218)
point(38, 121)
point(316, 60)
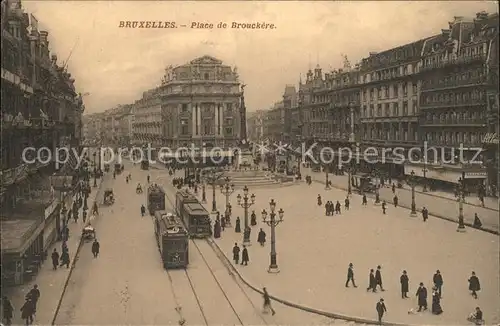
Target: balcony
point(453, 123)
point(454, 143)
point(452, 104)
point(454, 84)
point(461, 60)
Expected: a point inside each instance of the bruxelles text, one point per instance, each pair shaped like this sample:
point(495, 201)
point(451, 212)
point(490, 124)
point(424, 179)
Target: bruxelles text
point(218, 155)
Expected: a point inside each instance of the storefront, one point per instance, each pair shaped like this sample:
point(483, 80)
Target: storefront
point(52, 221)
point(491, 160)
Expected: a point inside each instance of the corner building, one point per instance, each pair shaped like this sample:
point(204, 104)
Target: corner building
point(201, 104)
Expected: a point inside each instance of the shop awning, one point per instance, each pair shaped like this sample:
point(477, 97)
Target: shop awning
point(18, 234)
point(71, 164)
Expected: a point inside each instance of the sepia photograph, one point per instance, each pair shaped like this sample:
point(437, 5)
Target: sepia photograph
point(225, 163)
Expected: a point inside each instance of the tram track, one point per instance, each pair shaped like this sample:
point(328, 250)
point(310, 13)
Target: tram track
point(239, 315)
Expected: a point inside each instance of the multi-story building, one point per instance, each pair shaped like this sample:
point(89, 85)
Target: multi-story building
point(40, 108)
point(125, 121)
point(273, 123)
point(92, 128)
point(202, 104)
point(454, 100)
point(147, 125)
point(290, 101)
point(255, 125)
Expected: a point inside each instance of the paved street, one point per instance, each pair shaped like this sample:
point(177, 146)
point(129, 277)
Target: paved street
point(50, 282)
point(314, 252)
point(437, 206)
point(127, 284)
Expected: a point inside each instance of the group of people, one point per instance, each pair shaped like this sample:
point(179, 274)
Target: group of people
point(28, 310)
point(375, 281)
point(331, 208)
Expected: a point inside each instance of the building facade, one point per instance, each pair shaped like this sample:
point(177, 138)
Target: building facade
point(255, 126)
point(273, 124)
point(40, 108)
point(147, 124)
point(201, 104)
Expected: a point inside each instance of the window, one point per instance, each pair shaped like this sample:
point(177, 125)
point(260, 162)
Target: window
point(372, 94)
point(207, 127)
point(405, 108)
point(395, 109)
point(206, 76)
point(405, 90)
point(386, 92)
point(229, 131)
point(229, 107)
point(379, 110)
point(414, 89)
point(184, 127)
point(228, 121)
point(379, 93)
point(184, 108)
point(387, 110)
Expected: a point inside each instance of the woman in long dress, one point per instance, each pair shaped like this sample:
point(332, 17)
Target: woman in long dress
point(436, 302)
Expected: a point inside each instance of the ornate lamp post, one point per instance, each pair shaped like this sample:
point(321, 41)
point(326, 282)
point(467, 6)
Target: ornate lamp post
point(377, 194)
point(411, 182)
point(227, 190)
point(273, 222)
point(247, 202)
point(203, 193)
point(299, 138)
point(211, 177)
point(461, 199)
point(327, 182)
point(349, 172)
point(424, 171)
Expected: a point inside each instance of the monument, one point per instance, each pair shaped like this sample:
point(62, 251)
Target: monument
point(245, 156)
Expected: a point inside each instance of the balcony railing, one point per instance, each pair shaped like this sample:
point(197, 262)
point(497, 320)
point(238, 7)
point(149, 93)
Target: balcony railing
point(455, 143)
point(454, 61)
point(455, 83)
point(454, 122)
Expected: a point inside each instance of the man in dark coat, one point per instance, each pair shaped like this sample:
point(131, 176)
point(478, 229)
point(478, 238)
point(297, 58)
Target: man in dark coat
point(338, 207)
point(405, 285)
point(372, 283)
point(350, 276)
point(319, 200)
point(365, 202)
point(237, 227)
point(253, 219)
point(223, 223)
point(65, 259)
point(381, 309)
point(437, 279)
point(55, 259)
point(474, 285)
point(267, 302)
point(143, 210)
point(327, 208)
point(395, 201)
point(378, 278)
point(346, 202)
point(34, 294)
point(477, 222)
point(27, 311)
point(217, 228)
point(236, 253)
point(384, 206)
point(261, 238)
point(244, 256)
point(425, 213)
point(422, 297)
point(8, 311)
point(95, 248)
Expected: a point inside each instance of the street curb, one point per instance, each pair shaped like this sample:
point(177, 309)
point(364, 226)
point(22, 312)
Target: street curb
point(488, 230)
point(332, 315)
point(73, 263)
point(429, 193)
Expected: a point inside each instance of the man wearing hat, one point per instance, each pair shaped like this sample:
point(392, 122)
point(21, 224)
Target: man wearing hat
point(422, 297)
point(350, 276)
point(381, 309)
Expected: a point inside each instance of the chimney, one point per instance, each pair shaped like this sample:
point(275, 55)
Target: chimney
point(44, 37)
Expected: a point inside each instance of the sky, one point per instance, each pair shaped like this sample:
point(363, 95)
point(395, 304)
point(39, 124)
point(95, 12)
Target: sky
point(116, 65)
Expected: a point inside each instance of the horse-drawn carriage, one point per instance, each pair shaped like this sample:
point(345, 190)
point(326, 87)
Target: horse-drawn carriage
point(109, 198)
point(88, 233)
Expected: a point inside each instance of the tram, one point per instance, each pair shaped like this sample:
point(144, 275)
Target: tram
point(195, 217)
point(156, 198)
point(172, 239)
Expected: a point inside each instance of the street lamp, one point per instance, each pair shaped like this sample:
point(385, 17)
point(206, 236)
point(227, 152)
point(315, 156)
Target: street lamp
point(227, 190)
point(424, 171)
point(349, 171)
point(377, 194)
point(461, 199)
point(300, 140)
point(246, 204)
point(273, 222)
point(327, 182)
point(411, 182)
point(203, 193)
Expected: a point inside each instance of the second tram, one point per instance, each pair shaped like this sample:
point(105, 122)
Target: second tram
point(172, 239)
point(195, 217)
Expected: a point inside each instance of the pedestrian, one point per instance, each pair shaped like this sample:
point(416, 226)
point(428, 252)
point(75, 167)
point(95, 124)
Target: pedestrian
point(422, 297)
point(237, 227)
point(476, 317)
point(65, 259)
point(149, 178)
point(261, 238)
point(372, 283)
point(438, 282)
point(346, 202)
point(319, 200)
point(8, 311)
point(436, 302)
point(474, 285)
point(350, 276)
point(27, 311)
point(34, 294)
point(55, 259)
point(244, 256)
point(253, 219)
point(395, 201)
point(223, 223)
point(96, 246)
point(365, 202)
point(95, 209)
point(381, 310)
point(75, 214)
point(338, 207)
point(405, 285)
point(384, 205)
point(217, 228)
point(84, 216)
point(425, 213)
point(267, 302)
point(477, 222)
point(143, 210)
point(236, 253)
point(393, 188)
point(378, 277)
